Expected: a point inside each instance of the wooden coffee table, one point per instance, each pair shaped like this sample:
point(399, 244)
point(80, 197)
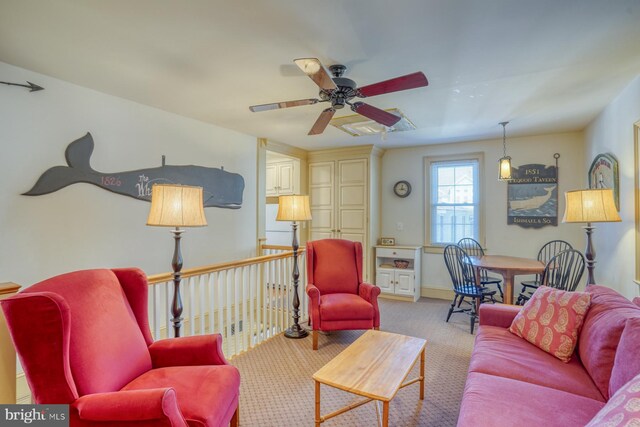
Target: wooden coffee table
point(374, 366)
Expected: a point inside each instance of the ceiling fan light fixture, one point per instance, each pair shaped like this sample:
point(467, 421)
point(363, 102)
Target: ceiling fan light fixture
point(357, 125)
point(308, 65)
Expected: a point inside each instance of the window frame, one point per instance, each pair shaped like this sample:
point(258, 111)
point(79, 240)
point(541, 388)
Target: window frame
point(428, 245)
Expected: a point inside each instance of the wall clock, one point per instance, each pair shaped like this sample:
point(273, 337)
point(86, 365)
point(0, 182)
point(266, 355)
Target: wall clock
point(402, 188)
point(603, 173)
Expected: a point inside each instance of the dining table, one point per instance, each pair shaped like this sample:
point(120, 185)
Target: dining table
point(508, 267)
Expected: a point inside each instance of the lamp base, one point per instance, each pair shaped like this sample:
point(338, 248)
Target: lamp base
point(296, 332)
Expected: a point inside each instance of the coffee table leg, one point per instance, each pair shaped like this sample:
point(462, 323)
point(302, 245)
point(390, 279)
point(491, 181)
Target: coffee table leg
point(317, 404)
point(385, 414)
point(422, 374)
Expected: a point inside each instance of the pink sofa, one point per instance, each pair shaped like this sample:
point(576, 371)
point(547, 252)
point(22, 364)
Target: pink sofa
point(512, 382)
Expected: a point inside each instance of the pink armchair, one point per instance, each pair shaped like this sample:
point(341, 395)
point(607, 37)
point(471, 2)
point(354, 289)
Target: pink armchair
point(83, 339)
point(338, 298)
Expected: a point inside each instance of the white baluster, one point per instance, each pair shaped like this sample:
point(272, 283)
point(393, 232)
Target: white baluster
point(169, 291)
point(190, 309)
point(212, 302)
point(202, 288)
point(245, 308)
point(237, 276)
point(227, 313)
point(252, 295)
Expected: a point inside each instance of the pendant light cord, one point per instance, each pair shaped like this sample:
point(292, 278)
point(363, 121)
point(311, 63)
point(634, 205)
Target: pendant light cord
point(504, 138)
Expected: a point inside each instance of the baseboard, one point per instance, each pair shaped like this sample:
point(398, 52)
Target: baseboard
point(437, 293)
point(397, 297)
point(23, 393)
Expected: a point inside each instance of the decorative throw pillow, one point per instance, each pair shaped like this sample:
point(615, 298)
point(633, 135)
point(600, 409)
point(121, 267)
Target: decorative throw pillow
point(623, 409)
point(551, 320)
point(627, 362)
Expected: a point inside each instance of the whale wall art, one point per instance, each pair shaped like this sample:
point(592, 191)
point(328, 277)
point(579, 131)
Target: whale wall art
point(221, 189)
point(533, 196)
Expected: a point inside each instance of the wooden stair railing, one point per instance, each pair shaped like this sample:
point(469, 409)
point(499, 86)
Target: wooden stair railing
point(247, 301)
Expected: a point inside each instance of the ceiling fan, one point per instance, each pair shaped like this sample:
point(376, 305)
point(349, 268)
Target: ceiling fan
point(339, 91)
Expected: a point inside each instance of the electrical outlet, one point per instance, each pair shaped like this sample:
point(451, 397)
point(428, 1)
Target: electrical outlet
point(399, 226)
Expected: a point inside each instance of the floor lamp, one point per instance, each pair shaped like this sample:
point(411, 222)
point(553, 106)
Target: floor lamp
point(595, 205)
point(294, 208)
point(176, 206)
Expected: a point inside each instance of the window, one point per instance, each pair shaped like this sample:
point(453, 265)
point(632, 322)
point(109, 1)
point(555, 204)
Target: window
point(453, 208)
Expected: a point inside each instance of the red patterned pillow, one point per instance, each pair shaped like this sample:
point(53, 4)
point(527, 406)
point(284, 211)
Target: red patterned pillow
point(623, 409)
point(551, 320)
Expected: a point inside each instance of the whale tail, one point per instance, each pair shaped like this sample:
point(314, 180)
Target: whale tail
point(78, 156)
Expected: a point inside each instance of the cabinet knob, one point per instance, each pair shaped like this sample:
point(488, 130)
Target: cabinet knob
point(333, 231)
point(339, 231)
point(394, 253)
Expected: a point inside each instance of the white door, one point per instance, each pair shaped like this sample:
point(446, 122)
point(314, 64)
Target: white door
point(404, 282)
point(352, 204)
point(321, 192)
point(384, 280)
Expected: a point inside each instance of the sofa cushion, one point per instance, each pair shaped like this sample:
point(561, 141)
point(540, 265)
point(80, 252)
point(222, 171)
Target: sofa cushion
point(344, 307)
point(626, 364)
point(603, 326)
point(498, 352)
point(623, 409)
point(551, 320)
point(491, 401)
point(207, 395)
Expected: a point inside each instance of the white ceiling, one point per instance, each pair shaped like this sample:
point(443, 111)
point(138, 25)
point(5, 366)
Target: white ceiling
point(545, 65)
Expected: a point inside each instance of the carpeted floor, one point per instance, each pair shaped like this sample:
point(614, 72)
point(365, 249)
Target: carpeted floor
point(277, 389)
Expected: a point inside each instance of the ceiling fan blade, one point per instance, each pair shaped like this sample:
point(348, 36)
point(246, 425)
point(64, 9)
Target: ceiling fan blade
point(285, 104)
point(313, 68)
point(410, 81)
point(320, 125)
point(376, 114)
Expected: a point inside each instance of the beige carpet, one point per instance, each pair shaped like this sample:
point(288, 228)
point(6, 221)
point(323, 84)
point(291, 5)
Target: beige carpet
point(277, 389)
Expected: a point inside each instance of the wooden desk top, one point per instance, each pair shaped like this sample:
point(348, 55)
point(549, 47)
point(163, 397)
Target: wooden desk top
point(374, 366)
point(512, 263)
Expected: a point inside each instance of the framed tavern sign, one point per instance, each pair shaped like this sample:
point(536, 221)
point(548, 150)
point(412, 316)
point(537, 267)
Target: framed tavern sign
point(533, 196)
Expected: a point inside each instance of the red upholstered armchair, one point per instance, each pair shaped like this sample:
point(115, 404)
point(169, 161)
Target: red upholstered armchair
point(83, 339)
point(338, 298)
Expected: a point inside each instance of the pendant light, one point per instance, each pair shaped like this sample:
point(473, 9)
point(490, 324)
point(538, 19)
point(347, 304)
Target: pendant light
point(504, 164)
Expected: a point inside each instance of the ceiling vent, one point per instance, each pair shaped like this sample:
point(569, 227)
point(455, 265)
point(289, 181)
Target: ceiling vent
point(357, 125)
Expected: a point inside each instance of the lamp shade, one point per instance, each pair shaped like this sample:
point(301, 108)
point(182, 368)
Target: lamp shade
point(176, 206)
point(504, 168)
point(293, 208)
point(595, 205)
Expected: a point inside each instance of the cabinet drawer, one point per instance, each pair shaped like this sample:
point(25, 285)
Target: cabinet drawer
point(395, 253)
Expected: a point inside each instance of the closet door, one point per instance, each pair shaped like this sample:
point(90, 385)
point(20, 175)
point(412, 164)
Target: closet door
point(352, 200)
point(321, 191)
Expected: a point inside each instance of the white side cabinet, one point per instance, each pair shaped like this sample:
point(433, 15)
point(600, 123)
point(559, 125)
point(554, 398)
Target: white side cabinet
point(401, 283)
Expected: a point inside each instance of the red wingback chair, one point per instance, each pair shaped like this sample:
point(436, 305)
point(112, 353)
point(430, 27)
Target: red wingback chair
point(338, 298)
point(83, 339)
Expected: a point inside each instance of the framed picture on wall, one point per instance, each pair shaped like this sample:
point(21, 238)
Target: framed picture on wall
point(603, 173)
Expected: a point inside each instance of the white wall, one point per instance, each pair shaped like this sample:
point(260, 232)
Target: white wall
point(501, 239)
point(83, 226)
point(612, 132)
